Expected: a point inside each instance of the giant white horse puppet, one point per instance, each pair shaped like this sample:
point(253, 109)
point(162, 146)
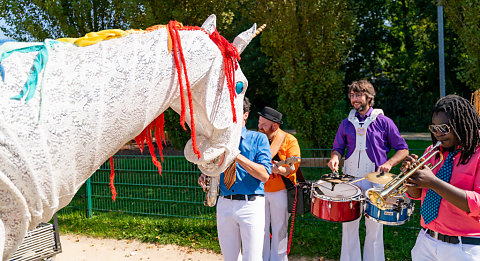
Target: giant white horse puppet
point(74, 107)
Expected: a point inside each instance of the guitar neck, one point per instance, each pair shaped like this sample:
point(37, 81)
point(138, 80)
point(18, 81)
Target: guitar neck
point(280, 163)
point(289, 161)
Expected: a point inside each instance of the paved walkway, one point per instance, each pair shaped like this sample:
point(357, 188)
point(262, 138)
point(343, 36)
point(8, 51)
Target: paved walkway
point(416, 135)
point(405, 135)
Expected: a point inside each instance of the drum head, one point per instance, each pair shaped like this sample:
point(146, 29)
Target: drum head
point(336, 192)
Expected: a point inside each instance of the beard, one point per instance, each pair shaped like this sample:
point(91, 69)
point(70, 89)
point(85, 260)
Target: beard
point(267, 131)
point(362, 107)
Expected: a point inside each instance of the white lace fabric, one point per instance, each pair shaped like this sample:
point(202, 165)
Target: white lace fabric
point(88, 103)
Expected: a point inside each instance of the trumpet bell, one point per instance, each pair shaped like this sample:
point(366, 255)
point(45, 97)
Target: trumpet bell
point(377, 199)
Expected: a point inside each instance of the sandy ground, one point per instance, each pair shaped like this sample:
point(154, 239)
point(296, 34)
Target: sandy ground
point(80, 248)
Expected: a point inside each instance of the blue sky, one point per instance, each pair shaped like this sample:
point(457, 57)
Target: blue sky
point(2, 36)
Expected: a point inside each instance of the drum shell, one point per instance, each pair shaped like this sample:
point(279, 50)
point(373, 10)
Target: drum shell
point(389, 216)
point(336, 203)
point(336, 211)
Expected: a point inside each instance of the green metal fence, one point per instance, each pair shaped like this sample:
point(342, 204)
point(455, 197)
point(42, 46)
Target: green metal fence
point(175, 193)
point(142, 190)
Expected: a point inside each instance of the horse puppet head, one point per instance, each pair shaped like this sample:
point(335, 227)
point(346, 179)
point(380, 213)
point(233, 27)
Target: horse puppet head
point(218, 102)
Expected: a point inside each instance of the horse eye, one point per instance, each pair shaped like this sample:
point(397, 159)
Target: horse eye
point(239, 87)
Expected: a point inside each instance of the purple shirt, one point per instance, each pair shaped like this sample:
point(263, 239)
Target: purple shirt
point(382, 135)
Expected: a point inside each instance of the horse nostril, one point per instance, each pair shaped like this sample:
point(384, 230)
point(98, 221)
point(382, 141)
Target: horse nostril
point(239, 87)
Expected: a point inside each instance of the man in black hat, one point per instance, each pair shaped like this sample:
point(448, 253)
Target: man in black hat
point(283, 145)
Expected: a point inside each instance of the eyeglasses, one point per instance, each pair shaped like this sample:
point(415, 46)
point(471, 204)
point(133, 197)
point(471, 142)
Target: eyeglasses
point(439, 129)
point(355, 95)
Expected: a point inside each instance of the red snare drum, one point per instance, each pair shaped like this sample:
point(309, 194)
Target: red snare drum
point(343, 203)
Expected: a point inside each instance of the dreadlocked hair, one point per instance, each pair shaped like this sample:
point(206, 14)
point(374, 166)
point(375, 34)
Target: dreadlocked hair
point(464, 122)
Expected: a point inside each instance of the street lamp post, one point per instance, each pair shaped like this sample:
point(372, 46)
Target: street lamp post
point(441, 57)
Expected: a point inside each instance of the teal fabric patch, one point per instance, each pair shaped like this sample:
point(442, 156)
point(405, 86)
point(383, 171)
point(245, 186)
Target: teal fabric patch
point(39, 63)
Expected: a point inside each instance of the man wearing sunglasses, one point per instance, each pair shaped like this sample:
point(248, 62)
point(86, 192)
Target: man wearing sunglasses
point(450, 193)
point(368, 136)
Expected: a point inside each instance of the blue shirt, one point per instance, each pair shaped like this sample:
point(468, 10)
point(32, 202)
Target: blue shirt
point(382, 135)
point(255, 147)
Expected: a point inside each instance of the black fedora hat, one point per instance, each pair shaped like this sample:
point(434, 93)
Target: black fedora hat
point(271, 115)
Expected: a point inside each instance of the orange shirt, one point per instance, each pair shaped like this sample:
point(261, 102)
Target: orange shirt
point(289, 148)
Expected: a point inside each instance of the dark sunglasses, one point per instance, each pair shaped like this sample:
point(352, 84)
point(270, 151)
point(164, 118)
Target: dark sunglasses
point(439, 129)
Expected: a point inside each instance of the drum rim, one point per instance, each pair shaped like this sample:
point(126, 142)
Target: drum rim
point(357, 197)
point(342, 221)
point(389, 223)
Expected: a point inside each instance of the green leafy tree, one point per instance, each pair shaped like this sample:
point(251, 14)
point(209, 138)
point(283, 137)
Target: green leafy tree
point(262, 91)
point(37, 20)
point(464, 18)
point(397, 49)
point(307, 42)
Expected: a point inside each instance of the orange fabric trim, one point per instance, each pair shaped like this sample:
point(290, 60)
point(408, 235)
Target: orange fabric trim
point(169, 41)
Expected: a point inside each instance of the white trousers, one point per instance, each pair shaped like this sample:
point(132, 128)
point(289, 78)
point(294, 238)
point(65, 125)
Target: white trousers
point(276, 218)
point(241, 226)
point(428, 248)
point(373, 247)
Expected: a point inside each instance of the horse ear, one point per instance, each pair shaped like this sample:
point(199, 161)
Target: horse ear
point(243, 39)
point(210, 24)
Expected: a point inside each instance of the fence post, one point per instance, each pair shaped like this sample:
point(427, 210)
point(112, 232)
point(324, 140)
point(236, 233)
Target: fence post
point(88, 194)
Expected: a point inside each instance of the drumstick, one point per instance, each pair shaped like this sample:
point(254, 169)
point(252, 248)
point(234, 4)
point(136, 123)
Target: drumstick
point(355, 181)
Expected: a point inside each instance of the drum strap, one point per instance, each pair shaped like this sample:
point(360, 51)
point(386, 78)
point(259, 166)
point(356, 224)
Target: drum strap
point(361, 127)
point(359, 163)
point(292, 223)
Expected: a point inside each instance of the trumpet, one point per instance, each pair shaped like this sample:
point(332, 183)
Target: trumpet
point(396, 186)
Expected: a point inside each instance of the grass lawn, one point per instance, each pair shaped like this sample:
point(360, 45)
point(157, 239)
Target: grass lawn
point(418, 144)
point(195, 233)
point(312, 237)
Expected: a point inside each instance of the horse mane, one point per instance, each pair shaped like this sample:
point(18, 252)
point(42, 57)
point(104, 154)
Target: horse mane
point(230, 57)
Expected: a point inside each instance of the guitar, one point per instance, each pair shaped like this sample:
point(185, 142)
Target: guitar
point(290, 162)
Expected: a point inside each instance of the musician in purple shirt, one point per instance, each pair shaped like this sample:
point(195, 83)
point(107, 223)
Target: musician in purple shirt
point(368, 136)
